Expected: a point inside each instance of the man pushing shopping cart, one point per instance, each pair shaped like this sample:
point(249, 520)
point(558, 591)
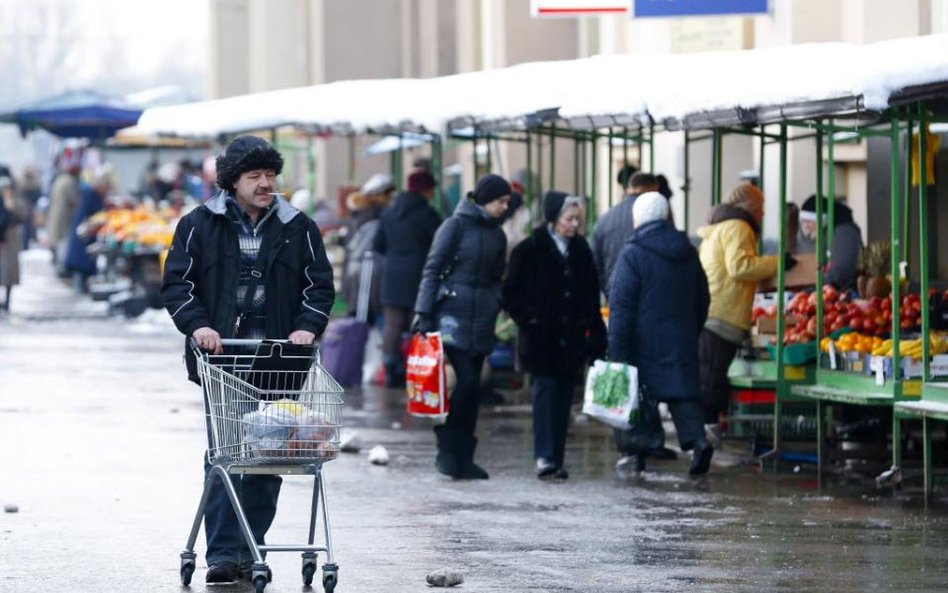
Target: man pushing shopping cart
point(247, 281)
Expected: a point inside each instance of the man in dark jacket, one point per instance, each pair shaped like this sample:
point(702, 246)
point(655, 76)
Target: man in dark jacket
point(245, 264)
point(842, 269)
point(614, 227)
point(406, 230)
point(658, 304)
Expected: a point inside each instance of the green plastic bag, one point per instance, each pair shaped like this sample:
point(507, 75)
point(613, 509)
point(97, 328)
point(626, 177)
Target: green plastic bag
point(612, 393)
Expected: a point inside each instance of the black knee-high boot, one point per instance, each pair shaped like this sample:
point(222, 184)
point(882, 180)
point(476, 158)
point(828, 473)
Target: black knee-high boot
point(448, 460)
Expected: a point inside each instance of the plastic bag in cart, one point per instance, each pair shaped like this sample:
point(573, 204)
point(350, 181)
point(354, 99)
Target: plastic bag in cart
point(286, 428)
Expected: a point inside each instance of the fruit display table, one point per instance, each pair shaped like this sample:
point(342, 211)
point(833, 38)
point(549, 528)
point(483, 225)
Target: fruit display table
point(754, 392)
point(133, 243)
point(932, 406)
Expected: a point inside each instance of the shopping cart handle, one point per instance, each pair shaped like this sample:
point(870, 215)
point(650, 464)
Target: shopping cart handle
point(232, 342)
point(248, 342)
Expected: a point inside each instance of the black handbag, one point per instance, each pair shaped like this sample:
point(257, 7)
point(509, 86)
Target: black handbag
point(646, 431)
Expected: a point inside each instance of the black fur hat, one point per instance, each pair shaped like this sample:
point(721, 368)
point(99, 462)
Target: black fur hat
point(246, 153)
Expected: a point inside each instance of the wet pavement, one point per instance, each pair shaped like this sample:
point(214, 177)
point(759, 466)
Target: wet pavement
point(103, 440)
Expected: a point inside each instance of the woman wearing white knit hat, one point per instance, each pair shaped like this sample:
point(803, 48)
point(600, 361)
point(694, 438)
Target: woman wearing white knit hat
point(658, 302)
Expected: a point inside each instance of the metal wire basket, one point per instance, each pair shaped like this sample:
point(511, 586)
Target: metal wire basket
point(276, 408)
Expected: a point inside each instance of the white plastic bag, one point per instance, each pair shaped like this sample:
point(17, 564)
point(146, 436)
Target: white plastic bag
point(612, 393)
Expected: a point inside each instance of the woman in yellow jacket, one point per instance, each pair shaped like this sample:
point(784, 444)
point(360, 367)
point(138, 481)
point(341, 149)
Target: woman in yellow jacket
point(729, 256)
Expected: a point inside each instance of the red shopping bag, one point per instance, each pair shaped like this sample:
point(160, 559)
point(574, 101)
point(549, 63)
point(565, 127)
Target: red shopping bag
point(425, 377)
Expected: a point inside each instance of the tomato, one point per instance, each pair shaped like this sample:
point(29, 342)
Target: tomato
point(856, 324)
point(811, 326)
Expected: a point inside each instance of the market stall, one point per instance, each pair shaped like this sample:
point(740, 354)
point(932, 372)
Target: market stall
point(132, 244)
point(876, 90)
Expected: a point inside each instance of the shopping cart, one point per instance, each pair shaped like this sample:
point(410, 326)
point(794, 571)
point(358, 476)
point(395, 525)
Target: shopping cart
point(271, 409)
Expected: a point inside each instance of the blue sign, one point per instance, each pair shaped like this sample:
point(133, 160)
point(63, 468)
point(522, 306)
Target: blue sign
point(673, 8)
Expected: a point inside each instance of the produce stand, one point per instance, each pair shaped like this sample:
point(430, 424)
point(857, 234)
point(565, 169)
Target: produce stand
point(886, 379)
point(133, 242)
point(754, 393)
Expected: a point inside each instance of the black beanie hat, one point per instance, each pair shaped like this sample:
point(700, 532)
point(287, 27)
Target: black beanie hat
point(552, 204)
point(246, 153)
point(489, 188)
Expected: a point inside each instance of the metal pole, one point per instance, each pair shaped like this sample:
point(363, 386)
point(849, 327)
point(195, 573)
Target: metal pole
point(896, 285)
point(820, 257)
point(923, 238)
point(311, 166)
point(539, 188)
point(576, 157)
point(593, 211)
point(651, 147)
point(350, 146)
point(907, 197)
point(625, 147)
point(831, 188)
point(552, 156)
point(781, 322)
point(760, 167)
point(528, 186)
point(474, 154)
point(611, 163)
point(687, 188)
point(437, 168)
point(716, 166)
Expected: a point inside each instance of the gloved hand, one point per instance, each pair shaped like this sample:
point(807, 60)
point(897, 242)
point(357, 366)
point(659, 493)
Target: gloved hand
point(422, 324)
point(788, 261)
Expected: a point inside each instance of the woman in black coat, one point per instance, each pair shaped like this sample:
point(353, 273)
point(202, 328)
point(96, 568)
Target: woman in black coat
point(658, 303)
point(552, 291)
point(406, 230)
point(460, 297)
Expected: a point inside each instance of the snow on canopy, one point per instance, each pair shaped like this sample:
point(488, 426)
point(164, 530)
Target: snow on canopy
point(661, 87)
point(678, 85)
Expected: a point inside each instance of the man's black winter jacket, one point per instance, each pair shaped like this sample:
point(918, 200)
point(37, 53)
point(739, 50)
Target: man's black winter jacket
point(202, 271)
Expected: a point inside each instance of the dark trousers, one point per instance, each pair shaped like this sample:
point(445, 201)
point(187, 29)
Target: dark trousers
point(552, 398)
point(465, 400)
point(715, 355)
point(258, 495)
point(397, 320)
point(688, 415)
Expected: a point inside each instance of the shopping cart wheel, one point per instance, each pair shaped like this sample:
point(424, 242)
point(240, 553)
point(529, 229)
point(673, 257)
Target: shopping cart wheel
point(329, 577)
point(259, 584)
point(187, 567)
point(309, 568)
point(186, 571)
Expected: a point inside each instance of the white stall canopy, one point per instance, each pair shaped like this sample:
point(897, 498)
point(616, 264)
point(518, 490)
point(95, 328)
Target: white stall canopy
point(678, 90)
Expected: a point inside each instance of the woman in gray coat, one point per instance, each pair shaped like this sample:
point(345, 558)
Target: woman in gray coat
point(460, 297)
point(12, 240)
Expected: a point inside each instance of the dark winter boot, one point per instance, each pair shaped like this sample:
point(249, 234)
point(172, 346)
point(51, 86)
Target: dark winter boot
point(448, 460)
point(701, 459)
point(394, 374)
point(469, 469)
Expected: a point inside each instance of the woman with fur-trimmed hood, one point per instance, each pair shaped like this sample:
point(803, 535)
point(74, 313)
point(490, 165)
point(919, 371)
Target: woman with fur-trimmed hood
point(729, 256)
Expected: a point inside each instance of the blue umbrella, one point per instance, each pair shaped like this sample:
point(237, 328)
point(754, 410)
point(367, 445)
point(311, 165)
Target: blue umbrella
point(76, 114)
